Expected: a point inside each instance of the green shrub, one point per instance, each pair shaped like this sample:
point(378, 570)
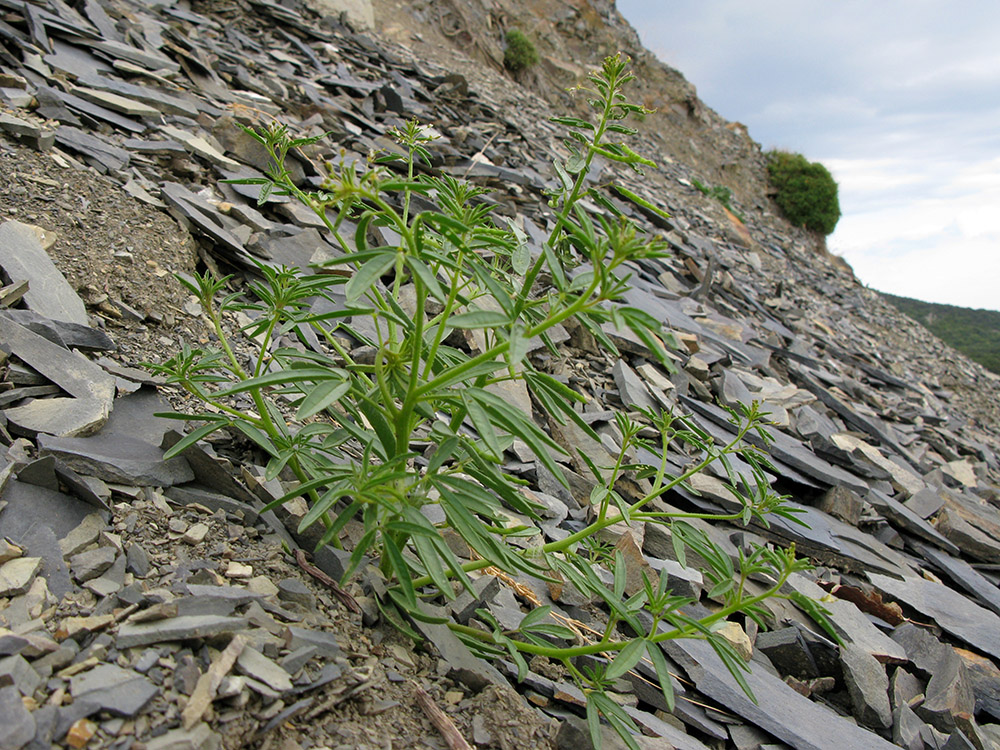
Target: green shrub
point(520, 53)
point(807, 192)
point(375, 435)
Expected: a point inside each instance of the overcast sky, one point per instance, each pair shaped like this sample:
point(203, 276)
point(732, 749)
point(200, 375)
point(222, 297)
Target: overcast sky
point(900, 99)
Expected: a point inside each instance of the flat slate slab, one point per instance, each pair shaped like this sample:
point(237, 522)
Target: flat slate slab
point(177, 629)
point(121, 692)
point(788, 715)
point(76, 375)
point(23, 257)
point(850, 623)
point(965, 576)
point(29, 505)
point(126, 450)
point(955, 613)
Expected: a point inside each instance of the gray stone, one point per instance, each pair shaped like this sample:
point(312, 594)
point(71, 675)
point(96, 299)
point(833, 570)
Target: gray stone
point(778, 709)
point(254, 664)
point(631, 389)
point(118, 459)
point(949, 694)
point(23, 257)
point(965, 576)
point(17, 722)
point(83, 535)
point(90, 564)
point(842, 503)
point(953, 612)
point(38, 138)
point(236, 595)
point(199, 737)
point(925, 651)
point(116, 103)
point(16, 575)
point(900, 515)
point(62, 417)
point(102, 155)
point(358, 14)
point(40, 540)
point(122, 692)
point(925, 503)
point(137, 560)
point(15, 670)
point(904, 687)
point(463, 666)
point(110, 581)
point(191, 493)
point(851, 624)
point(326, 643)
point(908, 730)
point(972, 541)
point(154, 97)
point(75, 374)
point(177, 629)
point(789, 653)
point(868, 687)
point(64, 333)
point(11, 643)
point(41, 472)
point(958, 741)
point(293, 661)
point(294, 590)
point(788, 450)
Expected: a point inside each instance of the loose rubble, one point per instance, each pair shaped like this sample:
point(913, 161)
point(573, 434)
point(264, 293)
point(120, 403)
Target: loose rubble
point(152, 602)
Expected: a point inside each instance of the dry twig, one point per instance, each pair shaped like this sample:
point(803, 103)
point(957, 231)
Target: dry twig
point(441, 722)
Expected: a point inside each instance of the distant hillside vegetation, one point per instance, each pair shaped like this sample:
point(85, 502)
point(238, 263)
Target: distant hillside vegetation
point(975, 333)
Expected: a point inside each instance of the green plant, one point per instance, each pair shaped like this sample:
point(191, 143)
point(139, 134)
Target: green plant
point(447, 303)
point(721, 193)
point(806, 191)
point(520, 53)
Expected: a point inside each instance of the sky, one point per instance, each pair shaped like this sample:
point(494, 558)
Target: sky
point(899, 99)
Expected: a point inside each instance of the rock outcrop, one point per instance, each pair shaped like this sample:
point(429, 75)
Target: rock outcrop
point(154, 602)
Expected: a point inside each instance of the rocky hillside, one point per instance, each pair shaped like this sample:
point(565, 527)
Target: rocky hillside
point(152, 602)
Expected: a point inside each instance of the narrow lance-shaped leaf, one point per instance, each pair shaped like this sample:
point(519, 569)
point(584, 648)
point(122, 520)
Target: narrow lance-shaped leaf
point(366, 276)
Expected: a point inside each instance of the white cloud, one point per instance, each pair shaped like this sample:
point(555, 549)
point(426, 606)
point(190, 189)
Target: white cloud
point(900, 99)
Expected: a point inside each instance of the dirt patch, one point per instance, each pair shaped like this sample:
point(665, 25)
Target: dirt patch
point(118, 253)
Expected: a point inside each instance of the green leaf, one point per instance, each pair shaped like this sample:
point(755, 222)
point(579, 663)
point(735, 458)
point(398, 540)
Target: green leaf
point(639, 200)
point(483, 426)
point(680, 549)
point(280, 377)
point(734, 663)
point(427, 278)
point(479, 319)
point(535, 617)
point(257, 436)
point(400, 567)
point(339, 523)
point(817, 612)
point(572, 122)
point(662, 673)
point(576, 163)
point(442, 453)
point(620, 721)
point(193, 437)
point(368, 275)
point(594, 720)
point(322, 396)
point(627, 658)
point(564, 178)
point(375, 415)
